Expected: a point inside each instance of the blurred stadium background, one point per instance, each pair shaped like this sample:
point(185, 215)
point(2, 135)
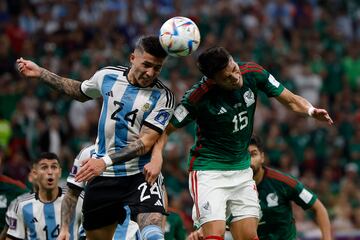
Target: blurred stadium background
point(311, 46)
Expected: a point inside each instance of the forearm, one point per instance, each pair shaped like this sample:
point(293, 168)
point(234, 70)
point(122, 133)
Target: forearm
point(149, 140)
point(68, 207)
point(133, 150)
point(322, 219)
point(159, 147)
point(65, 85)
point(294, 102)
point(299, 105)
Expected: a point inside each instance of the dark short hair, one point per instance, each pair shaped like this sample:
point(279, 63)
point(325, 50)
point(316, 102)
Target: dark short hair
point(46, 155)
point(255, 140)
point(213, 60)
point(151, 44)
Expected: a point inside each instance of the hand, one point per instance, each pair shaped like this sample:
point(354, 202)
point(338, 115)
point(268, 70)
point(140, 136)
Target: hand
point(196, 235)
point(89, 169)
point(64, 235)
point(322, 115)
point(28, 68)
point(152, 171)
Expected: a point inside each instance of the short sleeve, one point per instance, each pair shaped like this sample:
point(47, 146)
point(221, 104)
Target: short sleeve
point(186, 111)
point(161, 114)
point(268, 84)
point(85, 153)
point(92, 87)
point(182, 116)
point(303, 196)
point(15, 221)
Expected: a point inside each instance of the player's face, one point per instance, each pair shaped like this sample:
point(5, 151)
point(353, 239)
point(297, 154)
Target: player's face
point(257, 158)
point(230, 77)
point(47, 173)
point(145, 68)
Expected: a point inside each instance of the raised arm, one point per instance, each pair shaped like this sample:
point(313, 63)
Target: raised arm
point(65, 85)
point(68, 206)
point(322, 219)
point(300, 105)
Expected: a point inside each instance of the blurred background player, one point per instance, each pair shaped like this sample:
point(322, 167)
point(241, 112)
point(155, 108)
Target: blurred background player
point(223, 106)
point(174, 226)
point(136, 109)
point(37, 215)
point(277, 191)
point(127, 230)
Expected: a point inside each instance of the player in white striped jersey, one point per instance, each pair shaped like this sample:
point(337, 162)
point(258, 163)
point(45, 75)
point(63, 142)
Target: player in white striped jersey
point(136, 109)
point(129, 230)
point(37, 215)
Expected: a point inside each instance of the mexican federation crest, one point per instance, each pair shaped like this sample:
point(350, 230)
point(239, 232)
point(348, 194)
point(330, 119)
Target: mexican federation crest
point(249, 98)
point(272, 200)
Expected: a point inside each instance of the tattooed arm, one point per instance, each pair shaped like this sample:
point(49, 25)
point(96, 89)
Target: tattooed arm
point(93, 167)
point(65, 85)
point(68, 206)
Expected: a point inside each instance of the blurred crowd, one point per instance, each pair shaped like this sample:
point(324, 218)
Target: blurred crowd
point(311, 46)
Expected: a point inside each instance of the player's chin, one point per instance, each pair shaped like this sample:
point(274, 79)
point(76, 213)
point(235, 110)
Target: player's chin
point(146, 83)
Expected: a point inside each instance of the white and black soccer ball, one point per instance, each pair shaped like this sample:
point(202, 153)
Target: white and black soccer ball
point(179, 36)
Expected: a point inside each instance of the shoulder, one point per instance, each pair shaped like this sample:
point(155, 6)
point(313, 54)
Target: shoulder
point(281, 177)
point(197, 92)
point(23, 200)
point(116, 70)
point(248, 67)
point(11, 181)
point(165, 91)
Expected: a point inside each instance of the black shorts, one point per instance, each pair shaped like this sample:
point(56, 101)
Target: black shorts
point(105, 198)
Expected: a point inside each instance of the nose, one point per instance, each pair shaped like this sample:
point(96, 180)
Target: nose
point(150, 72)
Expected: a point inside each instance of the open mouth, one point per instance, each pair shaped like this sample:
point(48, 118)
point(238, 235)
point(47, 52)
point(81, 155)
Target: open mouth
point(50, 181)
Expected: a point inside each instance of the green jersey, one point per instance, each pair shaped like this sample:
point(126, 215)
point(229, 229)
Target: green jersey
point(174, 227)
point(276, 191)
point(224, 119)
point(9, 190)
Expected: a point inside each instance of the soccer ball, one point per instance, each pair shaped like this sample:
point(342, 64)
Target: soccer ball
point(179, 36)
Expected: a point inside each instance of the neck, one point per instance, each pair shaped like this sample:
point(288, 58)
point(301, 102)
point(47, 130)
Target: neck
point(259, 175)
point(48, 195)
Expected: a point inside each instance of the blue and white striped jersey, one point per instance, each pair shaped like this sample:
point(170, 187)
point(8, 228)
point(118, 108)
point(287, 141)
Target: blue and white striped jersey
point(126, 108)
point(29, 218)
point(84, 154)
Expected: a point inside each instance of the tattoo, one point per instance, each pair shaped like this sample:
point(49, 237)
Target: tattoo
point(133, 150)
point(68, 206)
point(145, 219)
point(65, 85)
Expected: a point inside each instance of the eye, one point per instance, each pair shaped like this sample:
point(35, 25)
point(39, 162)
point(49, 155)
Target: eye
point(157, 68)
point(147, 65)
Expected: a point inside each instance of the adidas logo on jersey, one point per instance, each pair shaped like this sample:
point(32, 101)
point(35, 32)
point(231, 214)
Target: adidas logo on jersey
point(110, 94)
point(222, 111)
point(158, 203)
point(34, 220)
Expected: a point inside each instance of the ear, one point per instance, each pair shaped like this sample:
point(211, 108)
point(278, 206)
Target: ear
point(262, 157)
point(33, 173)
point(132, 57)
